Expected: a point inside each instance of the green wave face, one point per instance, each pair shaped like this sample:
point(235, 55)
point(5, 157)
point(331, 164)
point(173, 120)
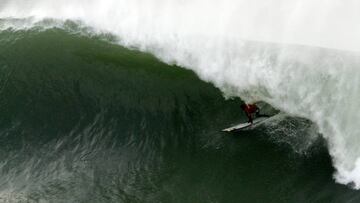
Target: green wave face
point(84, 120)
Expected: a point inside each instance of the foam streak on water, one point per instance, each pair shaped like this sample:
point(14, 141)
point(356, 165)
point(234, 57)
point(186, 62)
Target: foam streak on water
point(246, 48)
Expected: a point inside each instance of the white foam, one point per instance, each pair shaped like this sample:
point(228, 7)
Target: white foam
point(243, 47)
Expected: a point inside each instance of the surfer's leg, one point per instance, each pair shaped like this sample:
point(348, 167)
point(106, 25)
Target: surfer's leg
point(250, 118)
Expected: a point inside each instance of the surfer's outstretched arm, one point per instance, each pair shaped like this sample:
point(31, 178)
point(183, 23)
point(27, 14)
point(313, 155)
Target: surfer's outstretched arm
point(260, 115)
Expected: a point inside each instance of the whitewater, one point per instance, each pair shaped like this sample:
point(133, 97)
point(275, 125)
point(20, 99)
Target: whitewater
point(301, 57)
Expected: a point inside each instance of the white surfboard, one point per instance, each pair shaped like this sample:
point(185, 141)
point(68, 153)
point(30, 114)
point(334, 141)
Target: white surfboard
point(243, 126)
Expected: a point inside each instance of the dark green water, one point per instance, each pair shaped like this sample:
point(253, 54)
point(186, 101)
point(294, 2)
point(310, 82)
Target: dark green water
point(83, 120)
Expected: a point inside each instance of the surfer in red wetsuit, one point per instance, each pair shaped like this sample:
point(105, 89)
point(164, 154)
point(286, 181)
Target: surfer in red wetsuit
point(250, 110)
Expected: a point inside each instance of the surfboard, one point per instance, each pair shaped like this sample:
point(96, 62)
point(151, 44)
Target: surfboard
point(244, 126)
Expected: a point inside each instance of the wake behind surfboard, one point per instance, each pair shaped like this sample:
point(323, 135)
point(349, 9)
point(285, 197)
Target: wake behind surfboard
point(245, 126)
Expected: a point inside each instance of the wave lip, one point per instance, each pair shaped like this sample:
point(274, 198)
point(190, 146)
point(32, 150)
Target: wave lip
point(331, 25)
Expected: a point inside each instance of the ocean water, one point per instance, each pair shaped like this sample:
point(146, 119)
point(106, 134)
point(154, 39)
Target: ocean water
point(120, 101)
point(86, 120)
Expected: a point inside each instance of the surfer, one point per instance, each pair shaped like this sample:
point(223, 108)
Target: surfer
point(251, 110)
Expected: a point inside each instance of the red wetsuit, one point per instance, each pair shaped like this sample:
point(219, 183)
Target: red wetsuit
point(250, 109)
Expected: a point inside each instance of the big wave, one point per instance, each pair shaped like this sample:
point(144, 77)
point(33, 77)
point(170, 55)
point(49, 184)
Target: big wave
point(301, 57)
